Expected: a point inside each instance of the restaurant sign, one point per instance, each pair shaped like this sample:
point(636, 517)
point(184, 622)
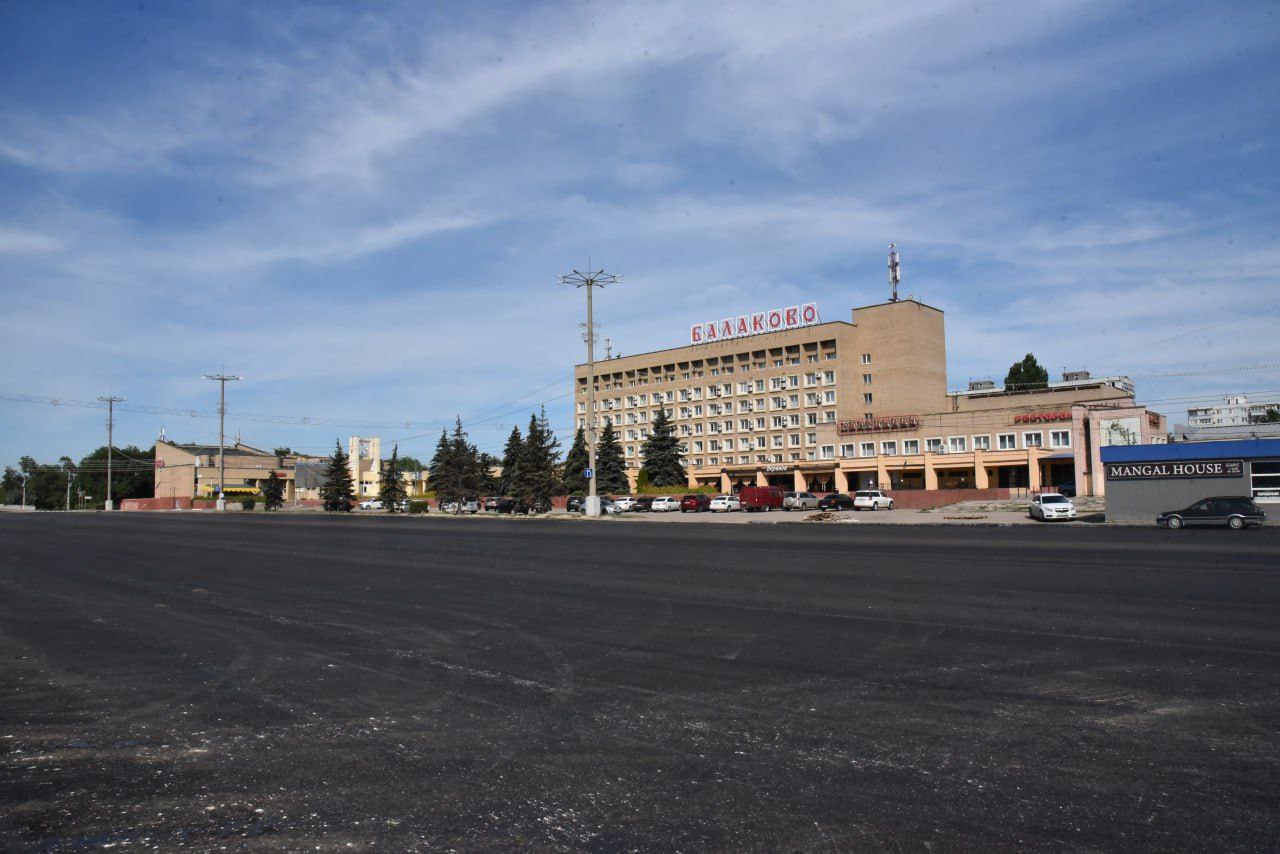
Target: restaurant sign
point(871, 425)
point(759, 323)
point(1166, 471)
point(1037, 417)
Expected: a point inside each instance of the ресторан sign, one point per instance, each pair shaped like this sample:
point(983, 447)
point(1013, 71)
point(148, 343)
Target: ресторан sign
point(1188, 468)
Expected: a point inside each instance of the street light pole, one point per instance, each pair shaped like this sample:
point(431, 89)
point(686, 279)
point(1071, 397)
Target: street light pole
point(222, 417)
point(110, 401)
point(591, 279)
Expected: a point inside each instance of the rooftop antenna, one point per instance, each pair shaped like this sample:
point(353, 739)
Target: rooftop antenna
point(895, 272)
point(608, 348)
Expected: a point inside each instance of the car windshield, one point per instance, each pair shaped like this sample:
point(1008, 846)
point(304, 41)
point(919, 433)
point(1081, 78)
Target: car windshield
point(1054, 499)
point(865, 494)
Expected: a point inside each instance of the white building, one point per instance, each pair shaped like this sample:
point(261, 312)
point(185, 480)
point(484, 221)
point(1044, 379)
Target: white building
point(1235, 410)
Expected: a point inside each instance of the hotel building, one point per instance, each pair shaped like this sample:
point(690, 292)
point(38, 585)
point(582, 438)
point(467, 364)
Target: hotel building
point(863, 403)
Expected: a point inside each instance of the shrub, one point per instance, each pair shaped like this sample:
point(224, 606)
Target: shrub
point(248, 503)
point(419, 506)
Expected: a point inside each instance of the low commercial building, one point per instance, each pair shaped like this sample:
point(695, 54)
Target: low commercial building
point(1143, 482)
point(191, 470)
point(782, 398)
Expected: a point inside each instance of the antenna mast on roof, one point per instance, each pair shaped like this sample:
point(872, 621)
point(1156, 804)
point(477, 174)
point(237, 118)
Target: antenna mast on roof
point(895, 272)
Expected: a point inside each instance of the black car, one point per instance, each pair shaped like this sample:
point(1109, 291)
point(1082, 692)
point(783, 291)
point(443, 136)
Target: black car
point(837, 501)
point(574, 504)
point(502, 504)
point(1230, 510)
point(643, 504)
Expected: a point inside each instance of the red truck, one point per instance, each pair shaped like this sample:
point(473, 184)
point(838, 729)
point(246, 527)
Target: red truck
point(760, 498)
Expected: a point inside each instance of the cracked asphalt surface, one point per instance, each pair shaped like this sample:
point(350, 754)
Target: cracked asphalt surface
point(256, 683)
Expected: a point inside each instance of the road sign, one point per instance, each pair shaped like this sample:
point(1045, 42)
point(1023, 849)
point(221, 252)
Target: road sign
point(587, 473)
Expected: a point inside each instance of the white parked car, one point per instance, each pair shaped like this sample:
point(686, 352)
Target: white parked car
point(799, 501)
point(665, 504)
point(469, 505)
point(1051, 505)
point(373, 504)
point(727, 503)
point(871, 499)
point(625, 504)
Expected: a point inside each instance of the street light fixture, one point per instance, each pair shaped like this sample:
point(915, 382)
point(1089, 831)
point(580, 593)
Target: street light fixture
point(222, 380)
point(591, 279)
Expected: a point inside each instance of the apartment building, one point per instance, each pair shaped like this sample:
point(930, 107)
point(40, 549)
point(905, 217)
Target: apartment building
point(1235, 410)
point(840, 405)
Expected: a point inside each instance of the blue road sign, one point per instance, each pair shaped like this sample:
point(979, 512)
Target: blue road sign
point(587, 473)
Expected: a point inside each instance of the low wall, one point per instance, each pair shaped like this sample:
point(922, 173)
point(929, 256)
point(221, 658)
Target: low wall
point(156, 504)
point(927, 499)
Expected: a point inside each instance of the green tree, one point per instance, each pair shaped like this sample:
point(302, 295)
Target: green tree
point(1272, 416)
point(282, 452)
point(661, 452)
point(11, 486)
point(539, 475)
point(575, 463)
point(408, 463)
point(512, 455)
point(1026, 375)
point(611, 471)
point(490, 484)
point(455, 469)
point(391, 488)
point(132, 473)
point(273, 492)
point(338, 493)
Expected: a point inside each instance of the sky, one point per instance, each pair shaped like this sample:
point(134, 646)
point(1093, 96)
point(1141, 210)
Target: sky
point(363, 208)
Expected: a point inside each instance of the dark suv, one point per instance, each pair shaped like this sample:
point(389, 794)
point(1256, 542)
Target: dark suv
point(696, 503)
point(1230, 510)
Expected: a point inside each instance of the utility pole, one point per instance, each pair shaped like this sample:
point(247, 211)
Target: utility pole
point(222, 380)
point(110, 401)
point(591, 279)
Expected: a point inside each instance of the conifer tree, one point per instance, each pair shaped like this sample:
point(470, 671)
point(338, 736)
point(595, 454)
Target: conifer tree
point(512, 457)
point(440, 469)
point(661, 452)
point(391, 488)
point(273, 492)
point(338, 493)
point(611, 473)
point(539, 477)
point(575, 463)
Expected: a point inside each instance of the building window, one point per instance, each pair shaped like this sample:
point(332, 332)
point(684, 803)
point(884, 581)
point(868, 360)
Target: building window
point(956, 444)
point(982, 443)
point(1007, 442)
point(847, 451)
point(889, 448)
point(933, 446)
point(866, 358)
point(1033, 440)
point(911, 446)
point(868, 416)
point(1060, 439)
point(827, 452)
point(866, 379)
point(866, 397)
point(868, 449)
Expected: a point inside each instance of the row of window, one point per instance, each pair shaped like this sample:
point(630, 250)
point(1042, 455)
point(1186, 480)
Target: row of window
point(812, 379)
point(719, 366)
point(952, 444)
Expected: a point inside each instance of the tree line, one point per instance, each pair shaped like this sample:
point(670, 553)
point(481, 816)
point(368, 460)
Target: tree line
point(132, 476)
point(529, 472)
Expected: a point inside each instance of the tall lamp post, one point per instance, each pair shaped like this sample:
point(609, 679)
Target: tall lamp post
point(222, 380)
point(110, 401)
point(591, 279)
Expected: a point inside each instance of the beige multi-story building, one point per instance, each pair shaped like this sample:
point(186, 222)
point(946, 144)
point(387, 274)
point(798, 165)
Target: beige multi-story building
point(855, 404)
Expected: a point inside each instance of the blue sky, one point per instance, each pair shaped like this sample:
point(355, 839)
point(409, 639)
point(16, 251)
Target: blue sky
point(362, 207)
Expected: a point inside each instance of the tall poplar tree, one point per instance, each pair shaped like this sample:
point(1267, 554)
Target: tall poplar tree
point(338, 493)
point(1027, 374)
point(661, 452)
point(611, 472)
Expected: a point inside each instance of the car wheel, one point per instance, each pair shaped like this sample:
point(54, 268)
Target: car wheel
point(1235, 523)
point(890, 505)
point(1174, 522)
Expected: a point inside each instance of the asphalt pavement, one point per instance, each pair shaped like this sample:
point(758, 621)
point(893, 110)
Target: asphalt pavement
point(250, 682)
